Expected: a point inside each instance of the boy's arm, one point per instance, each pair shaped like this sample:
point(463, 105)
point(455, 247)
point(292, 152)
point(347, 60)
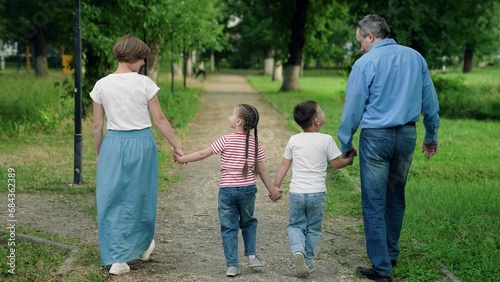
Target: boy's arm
point(193, 157)
point(339, 162)
point(285, 165)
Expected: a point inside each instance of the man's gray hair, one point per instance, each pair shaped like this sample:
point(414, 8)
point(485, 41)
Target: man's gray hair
point(374, 24)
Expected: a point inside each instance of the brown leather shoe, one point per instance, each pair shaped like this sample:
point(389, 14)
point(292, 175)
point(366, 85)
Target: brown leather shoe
point(372, 274)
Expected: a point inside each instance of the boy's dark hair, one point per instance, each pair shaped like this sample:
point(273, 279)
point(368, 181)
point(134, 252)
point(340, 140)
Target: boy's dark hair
point(130, 49)
point(304, 113)
point(250, 115)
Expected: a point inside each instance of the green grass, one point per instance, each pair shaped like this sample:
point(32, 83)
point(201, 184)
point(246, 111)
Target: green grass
point(37, 140)
point(452, 199)
point(32, 262)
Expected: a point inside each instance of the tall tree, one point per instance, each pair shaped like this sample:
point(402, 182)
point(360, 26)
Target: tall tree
point(438, 29)
point(37, 23)
point(295, 47)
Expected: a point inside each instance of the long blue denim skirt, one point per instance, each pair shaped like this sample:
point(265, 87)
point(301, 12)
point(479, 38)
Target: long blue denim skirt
point(127, 194)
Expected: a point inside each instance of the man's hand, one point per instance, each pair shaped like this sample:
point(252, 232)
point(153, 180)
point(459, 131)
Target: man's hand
point(430, 149)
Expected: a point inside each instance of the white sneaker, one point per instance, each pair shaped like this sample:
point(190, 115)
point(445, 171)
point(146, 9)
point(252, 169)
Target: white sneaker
point(255, 262)
point(232, 271)
point(301, 269)
point(145, 255)
point(311, 267)
point(119, 268)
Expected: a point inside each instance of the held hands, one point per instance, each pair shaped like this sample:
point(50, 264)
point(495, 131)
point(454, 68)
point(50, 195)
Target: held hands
point(177, 154)
point(349, 155)
point(430, 149)
point(275, 194)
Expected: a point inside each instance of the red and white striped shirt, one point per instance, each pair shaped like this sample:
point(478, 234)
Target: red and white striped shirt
point(232, 150)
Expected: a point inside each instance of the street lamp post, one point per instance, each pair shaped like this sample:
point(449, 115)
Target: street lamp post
point(77, 179)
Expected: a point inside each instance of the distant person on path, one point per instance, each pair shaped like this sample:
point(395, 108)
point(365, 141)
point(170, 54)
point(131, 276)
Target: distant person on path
point(127, 167)
point(310, 152)
point(201, 70)
point(242, 157)
point(388, 88)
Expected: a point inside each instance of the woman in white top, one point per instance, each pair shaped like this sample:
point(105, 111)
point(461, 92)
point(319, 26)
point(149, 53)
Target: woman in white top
point(127, 168)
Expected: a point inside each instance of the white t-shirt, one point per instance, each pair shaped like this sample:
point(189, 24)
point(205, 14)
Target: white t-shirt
point(125, 98)
point(310, 153)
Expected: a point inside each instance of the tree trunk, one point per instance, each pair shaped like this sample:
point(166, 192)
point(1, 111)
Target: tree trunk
point(278, 72)
point(291, 78)
point(41, 65)
point(177, 69)
point(212, 62)
point(189, 64)
point(468, 55)
point(154, 61)
point(28, 59)
point(268, 61)
point(295, 48)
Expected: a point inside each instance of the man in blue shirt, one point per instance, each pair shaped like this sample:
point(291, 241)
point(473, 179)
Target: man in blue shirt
point(388, 88)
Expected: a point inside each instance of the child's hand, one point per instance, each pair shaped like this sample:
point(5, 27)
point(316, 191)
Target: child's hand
point(349, 155)
point(276, 194)
point(178, 159)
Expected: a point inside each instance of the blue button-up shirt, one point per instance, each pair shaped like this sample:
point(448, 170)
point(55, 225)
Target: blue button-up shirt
point(389, 86)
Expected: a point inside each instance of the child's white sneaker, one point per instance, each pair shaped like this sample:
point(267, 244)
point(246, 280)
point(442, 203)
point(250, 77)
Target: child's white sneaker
point(301, 269)
point(255, 262)
point(232, 271)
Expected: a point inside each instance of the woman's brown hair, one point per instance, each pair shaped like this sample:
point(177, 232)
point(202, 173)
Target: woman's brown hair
point(130, 49)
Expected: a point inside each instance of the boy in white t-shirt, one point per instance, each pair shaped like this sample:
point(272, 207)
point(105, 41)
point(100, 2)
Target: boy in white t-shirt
point(310, 151)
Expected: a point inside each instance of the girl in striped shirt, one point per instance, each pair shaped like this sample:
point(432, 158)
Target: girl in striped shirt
point(242, 157)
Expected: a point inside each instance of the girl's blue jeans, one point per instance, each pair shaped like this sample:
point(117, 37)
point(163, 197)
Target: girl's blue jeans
point(306, 213)
point(385, 156)
point(236, 207)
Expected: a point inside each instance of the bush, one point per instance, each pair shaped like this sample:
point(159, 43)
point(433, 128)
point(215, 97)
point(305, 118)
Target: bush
point(459, 100)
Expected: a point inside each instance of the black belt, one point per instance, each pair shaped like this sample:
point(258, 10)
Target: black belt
point(411, 123)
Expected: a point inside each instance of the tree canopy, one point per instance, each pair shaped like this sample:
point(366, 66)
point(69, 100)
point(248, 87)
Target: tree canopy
point(440, 30)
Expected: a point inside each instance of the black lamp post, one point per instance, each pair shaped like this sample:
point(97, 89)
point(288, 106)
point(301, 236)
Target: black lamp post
point(77, 179)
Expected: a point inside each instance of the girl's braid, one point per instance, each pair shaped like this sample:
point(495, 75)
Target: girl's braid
point(255, 122)
point(251, 118)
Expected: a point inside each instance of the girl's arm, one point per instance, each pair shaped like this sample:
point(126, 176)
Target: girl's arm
point(274, 192)
point(193, 157)
point(163, 125)
point(285, 165)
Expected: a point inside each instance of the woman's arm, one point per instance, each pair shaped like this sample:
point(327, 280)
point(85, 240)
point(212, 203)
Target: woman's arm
point(163, 124)
point(98, 116)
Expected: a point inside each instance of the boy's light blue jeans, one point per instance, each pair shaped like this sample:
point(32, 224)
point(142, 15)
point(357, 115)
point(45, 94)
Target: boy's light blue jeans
point(306, 213)
point(236, 207)
point(385, 156)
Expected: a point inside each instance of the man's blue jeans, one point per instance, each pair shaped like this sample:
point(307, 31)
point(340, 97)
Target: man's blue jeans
point(306, 213)
point(385, 157)
point(236, 207)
